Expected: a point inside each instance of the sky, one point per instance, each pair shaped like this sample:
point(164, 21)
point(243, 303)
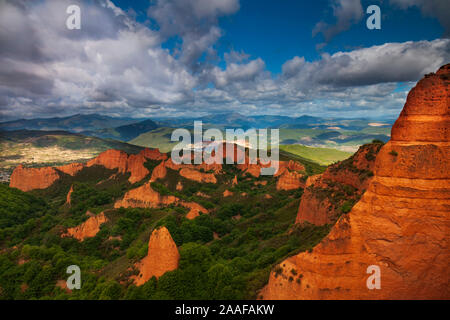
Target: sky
point(188, 58)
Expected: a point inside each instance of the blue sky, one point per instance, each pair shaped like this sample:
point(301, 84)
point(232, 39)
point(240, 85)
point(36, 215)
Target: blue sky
point(279, 30)
point(187, 58)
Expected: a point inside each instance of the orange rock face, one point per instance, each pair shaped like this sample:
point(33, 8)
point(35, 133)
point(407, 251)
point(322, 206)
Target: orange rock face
point(227, 193)
point(117, 159)
point(153, 154)
point(402, 222)
point(194, 209)
point(27, 179)
point(198, 176)
point(320, 203)
point(87, 229)
point(159, 172)
point(69, 194)
point(144, 197)
point(72, 168)
point(162, 256)
point(290, 180)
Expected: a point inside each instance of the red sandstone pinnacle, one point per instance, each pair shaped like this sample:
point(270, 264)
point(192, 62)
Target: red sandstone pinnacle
point(162, 256)
point(69, 194)
point(402, 222)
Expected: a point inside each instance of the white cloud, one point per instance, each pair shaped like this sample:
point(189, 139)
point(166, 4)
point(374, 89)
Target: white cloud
point(346, 12)
point(117, 66)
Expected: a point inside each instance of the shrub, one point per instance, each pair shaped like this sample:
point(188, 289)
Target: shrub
point(393, 153)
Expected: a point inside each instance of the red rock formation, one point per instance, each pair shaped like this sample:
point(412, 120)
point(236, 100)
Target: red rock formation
point(27, 179)
point(69, 194)
point(144, 197)
point(402, 222)
point(87, 229)
point(153, 154)
point(198, 176)
point(162, 256)
point(71, 169)
point(290, 180)
point(117, 159)
point(63, 285)
point(261, 183)
point(159, 172)
point(252, 169)
point(227, 193)
point(111, 159)
point(290, 165)
point(319, 204)
point(135, 166)
point(194, 209)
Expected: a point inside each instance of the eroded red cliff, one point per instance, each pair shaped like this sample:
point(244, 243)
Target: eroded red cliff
point(27, 179)
point(326, 196)
point(402, 222)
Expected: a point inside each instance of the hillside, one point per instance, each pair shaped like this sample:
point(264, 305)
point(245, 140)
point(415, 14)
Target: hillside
point(74, 123)
point(323, 156)
point(125, 132)
point(227, 221)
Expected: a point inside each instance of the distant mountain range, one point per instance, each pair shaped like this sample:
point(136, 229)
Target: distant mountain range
point(343, 134)
point(75, 123)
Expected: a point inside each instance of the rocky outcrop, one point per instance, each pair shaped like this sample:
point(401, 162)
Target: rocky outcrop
point(71, 169)
point(27, 179)
point(87, 229)
point(69, 195)
point(153, 154)
point(198, 176)
point(290, 180)
point(324, 195)
point(117, 159)
point(162, 256)
point(144, 197)
point(227, 193)
point(159, 172)
point(402, 222)
point(194, 209)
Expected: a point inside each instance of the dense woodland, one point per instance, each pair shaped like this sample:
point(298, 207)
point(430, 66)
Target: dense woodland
point(226, 254)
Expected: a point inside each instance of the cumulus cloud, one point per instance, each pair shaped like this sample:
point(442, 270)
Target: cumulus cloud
point(115, 65)
point(112, 63)
point(194, 21)
point(390, 62)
